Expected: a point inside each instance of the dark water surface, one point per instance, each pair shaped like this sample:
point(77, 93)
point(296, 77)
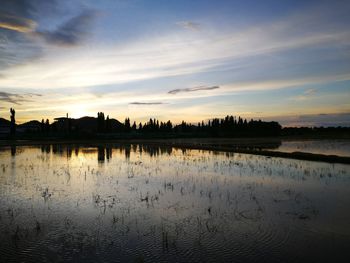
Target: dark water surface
point(64, 203)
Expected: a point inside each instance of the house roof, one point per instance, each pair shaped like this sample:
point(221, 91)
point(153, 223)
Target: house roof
point(62, 118)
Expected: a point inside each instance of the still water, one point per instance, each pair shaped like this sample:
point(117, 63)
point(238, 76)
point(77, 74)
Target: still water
point(329, 147)
point(134, 203)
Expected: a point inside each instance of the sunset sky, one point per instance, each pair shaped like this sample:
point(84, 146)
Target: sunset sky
point(181, 60)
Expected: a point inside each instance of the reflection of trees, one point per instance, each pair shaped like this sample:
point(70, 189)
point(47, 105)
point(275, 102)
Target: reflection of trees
point(45, 148)
point(13, 150)
point(152, 150)
point(105, 152)
point(63, 150)
point(108, 153)
point(76, 150)
point(127, 151)
point(69, 151)
point(101, 154)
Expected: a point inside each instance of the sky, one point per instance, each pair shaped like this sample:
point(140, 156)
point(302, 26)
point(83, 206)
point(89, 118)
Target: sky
point(287, 61)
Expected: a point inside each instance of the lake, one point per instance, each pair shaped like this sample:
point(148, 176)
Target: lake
point(136, 203)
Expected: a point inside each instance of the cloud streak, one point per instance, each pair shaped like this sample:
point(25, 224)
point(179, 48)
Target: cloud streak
point(16, 23)
point(27, 35)
point(173, 54)
point(146, 103)
point(17, 98)
point(131, 58)
point(200, 88)
point(189, 25)
point(71, 32)
point(307, 94)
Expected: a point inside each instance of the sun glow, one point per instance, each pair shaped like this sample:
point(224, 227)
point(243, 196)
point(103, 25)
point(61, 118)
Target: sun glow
point(78, 111)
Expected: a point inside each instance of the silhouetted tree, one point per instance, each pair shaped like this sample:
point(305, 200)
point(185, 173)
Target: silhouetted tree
point(69, 124)
point(134, 126)
point(13, 122)
point(228, 126)
point(169, 125)
point(42, 126)
point(100, 122)
point(108, 124)
point(127, 125)
point(47, 126)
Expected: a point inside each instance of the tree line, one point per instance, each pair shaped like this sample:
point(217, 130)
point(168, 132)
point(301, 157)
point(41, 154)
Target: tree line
point(228, 126)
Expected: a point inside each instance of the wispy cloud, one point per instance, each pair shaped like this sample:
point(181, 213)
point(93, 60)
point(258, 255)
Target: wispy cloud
point(307, 94)
point(71, 32)
point(275, 84)
point(16, 98)
point(189, 25)
point(171, 55)
point(20, 24)
point(15, 24)
point(27, 34)
point(175, 91)
point(146, 103)
point(21, 15)
point(260, 57)
point(310, 91)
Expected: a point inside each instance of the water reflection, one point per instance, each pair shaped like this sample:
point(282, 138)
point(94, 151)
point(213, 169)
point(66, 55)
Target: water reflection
point(104, 152)
point(138, 203)
point(13, 150)
point(101, 154)
point(46, 148)
point(330, 147)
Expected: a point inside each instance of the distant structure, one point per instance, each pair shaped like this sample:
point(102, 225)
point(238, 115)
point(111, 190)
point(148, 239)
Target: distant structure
point(63, 124)
point(13, 122)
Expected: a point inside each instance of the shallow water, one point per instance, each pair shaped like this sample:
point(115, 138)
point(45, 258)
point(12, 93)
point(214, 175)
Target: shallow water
point(136, 203)
point(329, 147)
